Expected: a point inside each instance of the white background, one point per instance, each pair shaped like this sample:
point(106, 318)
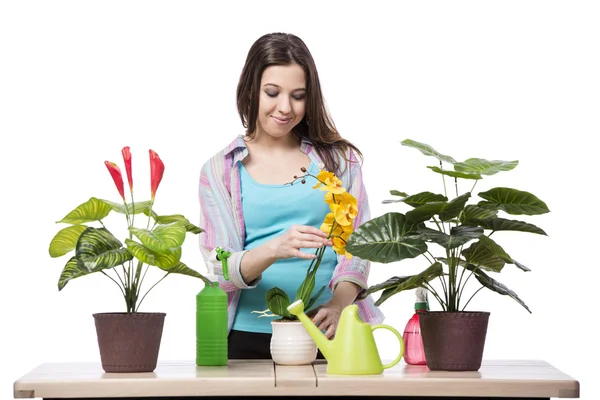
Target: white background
point(510, 80)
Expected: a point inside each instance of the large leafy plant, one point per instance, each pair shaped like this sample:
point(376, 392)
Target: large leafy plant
point(462, 230)
point(338, 224)
point(96, 249)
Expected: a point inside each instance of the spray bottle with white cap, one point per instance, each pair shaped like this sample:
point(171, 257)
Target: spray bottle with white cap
point(414, 354)
point(211, 315)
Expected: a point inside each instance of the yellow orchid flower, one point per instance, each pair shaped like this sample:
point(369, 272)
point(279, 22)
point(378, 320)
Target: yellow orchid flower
point(329, 182)
point(344, 212)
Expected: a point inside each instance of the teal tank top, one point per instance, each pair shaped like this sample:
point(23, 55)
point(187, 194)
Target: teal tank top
point(269, 211)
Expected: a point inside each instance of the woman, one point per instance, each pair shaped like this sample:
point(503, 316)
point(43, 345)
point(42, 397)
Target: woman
point(271, 228)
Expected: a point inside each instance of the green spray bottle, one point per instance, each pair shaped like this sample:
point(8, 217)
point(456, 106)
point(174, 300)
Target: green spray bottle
point(211, 317)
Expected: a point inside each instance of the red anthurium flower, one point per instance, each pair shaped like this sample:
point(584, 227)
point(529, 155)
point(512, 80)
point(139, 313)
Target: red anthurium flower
point(115, 172)
point(157, 168)
point(127, 158)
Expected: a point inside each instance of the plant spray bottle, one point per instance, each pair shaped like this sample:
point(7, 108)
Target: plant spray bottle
point(414, 353)
point(211, 317)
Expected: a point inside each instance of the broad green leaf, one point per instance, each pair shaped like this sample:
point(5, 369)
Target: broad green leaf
point(167, 219)
point(454, 174)
point(399, 284)
point(313, 300)
point(278, 302)
point(446, 211)
point(163, 239)
point(454, 207)
point(428, 150)
point(490, 254)
point(150, 257)
point(65, 240)
point(501, 224)
point(98, 249)
point(486, 256)
point(457, 237)
point(386, 239)
point(474, 213)
point(423, 198)
point(181, 268)
point(496, 286)
point(425, 212)
point(135, 208)
point(513, 201)
point(71, 271)
point(484, 167)
point(92, 210)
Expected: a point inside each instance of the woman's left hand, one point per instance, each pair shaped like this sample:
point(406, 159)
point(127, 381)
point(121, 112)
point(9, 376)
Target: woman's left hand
point(326, 317)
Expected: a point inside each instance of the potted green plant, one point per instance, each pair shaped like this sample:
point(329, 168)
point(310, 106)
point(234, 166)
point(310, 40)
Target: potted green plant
point(290, 343)
point(128, 341)
point(453, 338)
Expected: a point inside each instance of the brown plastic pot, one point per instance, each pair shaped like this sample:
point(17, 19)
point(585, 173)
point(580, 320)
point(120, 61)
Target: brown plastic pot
point(454, 341)
point(129, 342)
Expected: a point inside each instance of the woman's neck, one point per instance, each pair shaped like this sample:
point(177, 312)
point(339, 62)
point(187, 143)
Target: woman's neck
point(266, 142)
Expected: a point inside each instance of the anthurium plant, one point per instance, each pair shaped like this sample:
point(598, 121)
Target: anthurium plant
point(462, 230)
point(338, 224)
point(156, 243)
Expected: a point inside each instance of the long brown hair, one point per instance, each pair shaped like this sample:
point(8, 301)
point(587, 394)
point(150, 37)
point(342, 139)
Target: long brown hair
point(317, 125)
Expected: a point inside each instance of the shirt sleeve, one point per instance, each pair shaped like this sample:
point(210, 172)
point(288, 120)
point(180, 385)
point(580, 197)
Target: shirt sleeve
point(218, 222)
point(355, 270)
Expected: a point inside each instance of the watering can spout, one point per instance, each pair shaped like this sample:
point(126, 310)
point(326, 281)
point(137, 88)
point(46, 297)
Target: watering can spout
point(324, 344)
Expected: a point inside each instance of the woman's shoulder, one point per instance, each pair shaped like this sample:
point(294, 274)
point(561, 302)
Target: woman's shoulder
point(225, 156)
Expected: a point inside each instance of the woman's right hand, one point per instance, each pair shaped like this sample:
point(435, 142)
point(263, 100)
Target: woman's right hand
point(297, 237)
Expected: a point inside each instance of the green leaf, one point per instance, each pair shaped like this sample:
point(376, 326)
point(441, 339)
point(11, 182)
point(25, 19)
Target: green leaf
point(489, 255)
point(71, 270)
point(457, 237)
point(167, 219)
point(484, 167)
point(163, 239)
point(98, 249)
point(278, 302)
point(454, 174)
point(386, 239)
point(65, 240)
point(398, 284)
point(501, 224)
point(314, 299)
point(446, 211)
point(135, 208)
point(145, 255)
point(428, 150)
point(397, 193)
point(513, 201)
point(475, 213)
point(423, 198)
point(92, 210)
point(181, 268)
point(496, 286)
point(306, 287)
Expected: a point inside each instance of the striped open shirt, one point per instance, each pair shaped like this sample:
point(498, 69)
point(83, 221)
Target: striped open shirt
point(222, 219)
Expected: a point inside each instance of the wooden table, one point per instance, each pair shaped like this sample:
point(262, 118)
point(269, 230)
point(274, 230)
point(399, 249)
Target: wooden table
point(505, 379)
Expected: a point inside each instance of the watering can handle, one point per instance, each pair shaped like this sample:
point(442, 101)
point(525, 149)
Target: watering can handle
point(395, 332)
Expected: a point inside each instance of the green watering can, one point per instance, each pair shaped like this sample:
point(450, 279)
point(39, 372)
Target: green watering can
point(353, 350)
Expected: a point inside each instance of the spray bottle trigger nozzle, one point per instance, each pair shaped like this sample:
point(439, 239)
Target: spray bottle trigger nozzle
point(223, 255)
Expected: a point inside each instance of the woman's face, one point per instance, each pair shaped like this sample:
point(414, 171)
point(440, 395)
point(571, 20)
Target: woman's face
point(282, 99)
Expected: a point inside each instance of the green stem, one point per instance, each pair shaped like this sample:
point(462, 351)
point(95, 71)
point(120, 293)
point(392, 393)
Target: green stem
point(437, 297)
point(117, 283)
point(473, 295)
point(140, 303)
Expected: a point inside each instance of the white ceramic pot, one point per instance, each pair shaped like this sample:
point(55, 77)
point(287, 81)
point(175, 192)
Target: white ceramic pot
point(291, 344)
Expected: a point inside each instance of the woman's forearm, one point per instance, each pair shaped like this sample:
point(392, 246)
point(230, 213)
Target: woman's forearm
point(344, 294)
point(256, 261)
